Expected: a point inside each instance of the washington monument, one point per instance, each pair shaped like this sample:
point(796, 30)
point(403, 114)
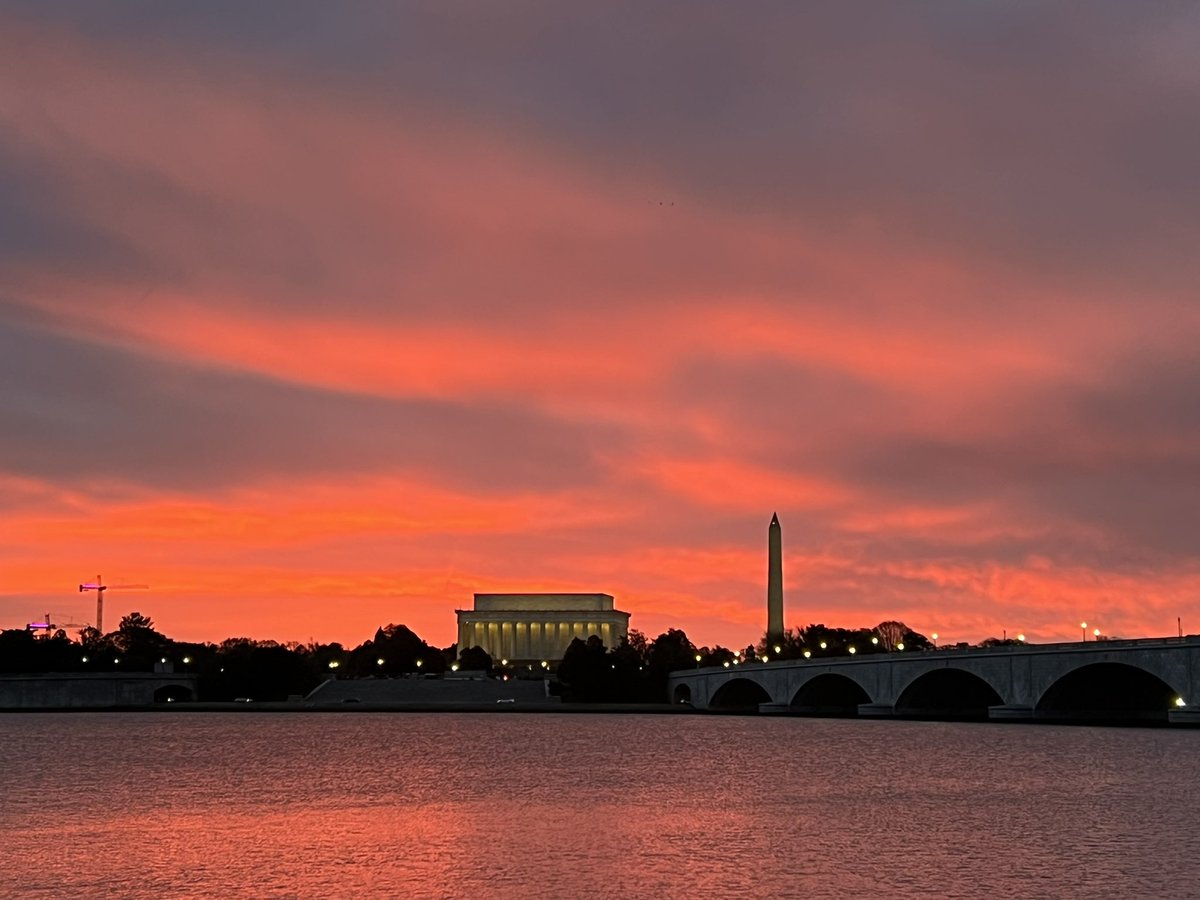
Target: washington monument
point(774, 581)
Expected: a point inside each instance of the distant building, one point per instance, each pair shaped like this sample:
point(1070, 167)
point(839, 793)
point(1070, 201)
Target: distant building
point(530, 628)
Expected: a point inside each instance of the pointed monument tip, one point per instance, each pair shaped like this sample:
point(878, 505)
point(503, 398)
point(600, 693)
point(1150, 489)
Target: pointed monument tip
point(774, 518)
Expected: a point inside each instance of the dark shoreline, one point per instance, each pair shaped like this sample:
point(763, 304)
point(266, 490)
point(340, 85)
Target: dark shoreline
point(304, 707)
point(654, 709)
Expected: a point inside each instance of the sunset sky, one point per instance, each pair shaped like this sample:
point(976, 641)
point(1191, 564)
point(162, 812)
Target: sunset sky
point(316, 317)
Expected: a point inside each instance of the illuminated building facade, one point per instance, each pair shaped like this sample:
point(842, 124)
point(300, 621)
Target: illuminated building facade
point(530, 628)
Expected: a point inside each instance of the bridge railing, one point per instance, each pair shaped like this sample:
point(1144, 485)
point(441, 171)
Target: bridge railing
point(958, 650)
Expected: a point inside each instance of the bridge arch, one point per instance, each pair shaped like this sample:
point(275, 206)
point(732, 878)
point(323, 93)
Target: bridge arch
point(947, 693)
point(681, 694)
point(740, 694)
point(829, 694)
point(1107, 691)
point(173, 693)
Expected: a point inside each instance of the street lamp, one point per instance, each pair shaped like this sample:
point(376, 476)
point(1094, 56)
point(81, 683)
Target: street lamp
point(851, 650)
point(900, 645)
point(1083, 628)
point(778, 649)
point(1096, 633)
point(1021, 637)
point(807, 654)
point(934, 636)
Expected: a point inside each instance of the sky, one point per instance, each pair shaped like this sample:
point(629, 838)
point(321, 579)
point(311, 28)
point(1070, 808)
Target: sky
point(317, 317)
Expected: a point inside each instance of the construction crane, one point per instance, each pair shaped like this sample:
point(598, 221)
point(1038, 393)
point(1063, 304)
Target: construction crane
point(52, 622)
point(100, 587)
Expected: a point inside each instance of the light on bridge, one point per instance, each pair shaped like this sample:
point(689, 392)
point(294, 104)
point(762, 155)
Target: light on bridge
point(874, 640)
point(727, 664)
point(1179, 702)
point(379, 662)
point(822, 645)
point(778, 649)
point(900, 645)
point(807, 654)
point(1021, 637)
point(851, 650)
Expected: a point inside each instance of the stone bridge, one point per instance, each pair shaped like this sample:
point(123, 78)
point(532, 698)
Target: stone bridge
point(1153, 679)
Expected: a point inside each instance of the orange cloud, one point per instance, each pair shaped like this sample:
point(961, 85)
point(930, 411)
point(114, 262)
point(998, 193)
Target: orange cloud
point(937, 426)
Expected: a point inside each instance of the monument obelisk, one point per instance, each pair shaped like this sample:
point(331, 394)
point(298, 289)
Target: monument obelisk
point(774, 581)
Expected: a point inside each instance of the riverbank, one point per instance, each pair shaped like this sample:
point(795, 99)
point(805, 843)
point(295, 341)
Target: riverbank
point(407, 707)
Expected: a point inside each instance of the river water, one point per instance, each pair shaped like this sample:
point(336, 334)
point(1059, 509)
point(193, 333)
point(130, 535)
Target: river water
point(553, 805)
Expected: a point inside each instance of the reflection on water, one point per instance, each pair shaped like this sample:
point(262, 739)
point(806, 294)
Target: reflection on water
point(429, 805)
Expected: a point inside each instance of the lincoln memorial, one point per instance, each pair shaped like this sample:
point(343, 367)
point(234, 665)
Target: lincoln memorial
point(530, 628)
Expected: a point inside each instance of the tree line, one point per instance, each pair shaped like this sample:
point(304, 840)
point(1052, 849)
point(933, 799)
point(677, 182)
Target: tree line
point(633, 672)
point(235, 667)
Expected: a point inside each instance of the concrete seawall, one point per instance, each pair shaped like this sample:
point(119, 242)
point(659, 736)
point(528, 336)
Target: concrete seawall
point(93, 691)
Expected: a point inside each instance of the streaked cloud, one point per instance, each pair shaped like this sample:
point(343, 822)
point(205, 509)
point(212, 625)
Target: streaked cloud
point(317, 319)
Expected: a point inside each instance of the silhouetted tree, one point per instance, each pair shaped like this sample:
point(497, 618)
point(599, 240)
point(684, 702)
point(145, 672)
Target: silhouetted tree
point(17, 651)
point(585, 670)
point(891, 633)
point(914, 640)
point(671, 650)
point(717, 656)
point(1000, 642)
point(138, 642)
point(636, 642)
point(475, 659)
point(136, 620)
point(400, 649)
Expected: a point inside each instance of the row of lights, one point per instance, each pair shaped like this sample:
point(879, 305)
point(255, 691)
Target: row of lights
point(117, 660)
point(852, 650)
point(335, 664)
